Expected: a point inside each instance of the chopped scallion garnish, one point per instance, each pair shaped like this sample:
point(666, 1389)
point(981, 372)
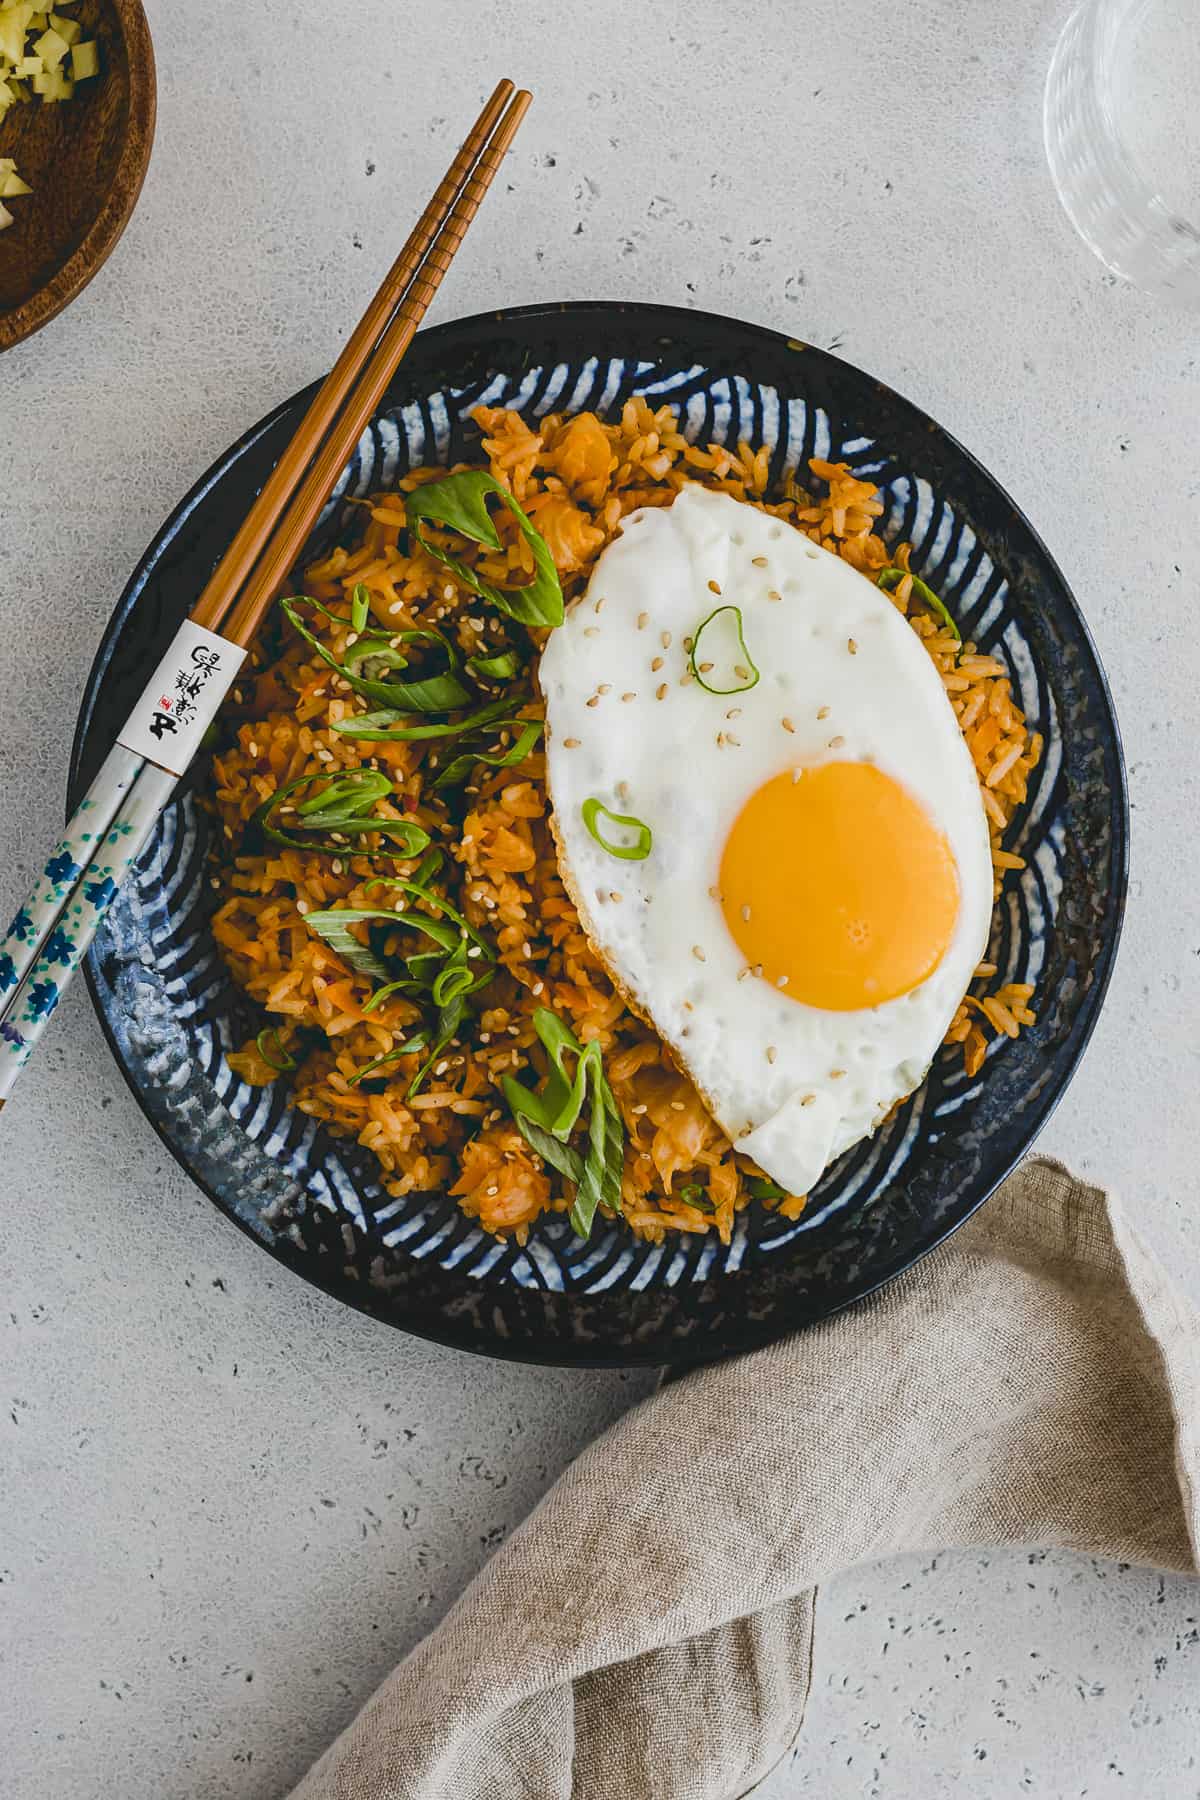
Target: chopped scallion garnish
point(889, 580)
point(329, 820)
point(271, 1048)
point(547, 1119)
point(459, 503)
point(643, 839)
point(704, 663)
point(440, 692)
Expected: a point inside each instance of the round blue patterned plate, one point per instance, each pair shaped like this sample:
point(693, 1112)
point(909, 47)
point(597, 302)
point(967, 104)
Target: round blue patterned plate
point(172, 1014)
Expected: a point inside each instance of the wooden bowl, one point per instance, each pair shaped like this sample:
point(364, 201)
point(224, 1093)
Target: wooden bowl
point(85, 159)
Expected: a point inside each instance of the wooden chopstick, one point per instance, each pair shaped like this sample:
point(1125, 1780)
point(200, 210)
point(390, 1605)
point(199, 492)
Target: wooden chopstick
point(229, 576)
point(287, 540)
point(132, 787)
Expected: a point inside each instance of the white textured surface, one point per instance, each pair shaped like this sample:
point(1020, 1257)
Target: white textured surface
point(227, 1504)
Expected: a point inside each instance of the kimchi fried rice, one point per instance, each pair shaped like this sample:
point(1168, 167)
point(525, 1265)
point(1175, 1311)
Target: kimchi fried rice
point(577, 478)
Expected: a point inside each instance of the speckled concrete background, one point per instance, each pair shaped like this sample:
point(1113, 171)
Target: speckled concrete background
point(227, 1505)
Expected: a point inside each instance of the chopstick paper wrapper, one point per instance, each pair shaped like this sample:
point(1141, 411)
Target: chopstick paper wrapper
point(181, 699)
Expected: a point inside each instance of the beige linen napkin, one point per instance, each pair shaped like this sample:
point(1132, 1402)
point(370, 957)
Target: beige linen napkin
point(647, 1633)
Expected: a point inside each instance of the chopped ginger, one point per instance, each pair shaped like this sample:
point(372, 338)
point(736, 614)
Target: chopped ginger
point(42, 52)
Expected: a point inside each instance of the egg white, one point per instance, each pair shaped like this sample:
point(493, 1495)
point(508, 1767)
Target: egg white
point(831, 1076)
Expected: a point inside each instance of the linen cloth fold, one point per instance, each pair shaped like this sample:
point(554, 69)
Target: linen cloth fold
point(647, 1633)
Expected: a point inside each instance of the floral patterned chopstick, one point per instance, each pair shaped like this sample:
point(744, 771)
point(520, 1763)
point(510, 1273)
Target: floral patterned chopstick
point(50, 933)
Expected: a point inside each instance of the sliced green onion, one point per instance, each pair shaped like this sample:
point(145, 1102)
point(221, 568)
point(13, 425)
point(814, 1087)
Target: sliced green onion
point(528, 733)
point(745, 673)
point(889, 580)
point(270, 1047)
point(406, 985)
point(442, 692)
point(635, 852)
point(760, 1188)
point(360, 608)
point(384, 727)
point(546, 1119)
point(420, 891)
point(409, 1047)
point(340, 810)
point(501, 667)
point(334, 928)
point(459, 503)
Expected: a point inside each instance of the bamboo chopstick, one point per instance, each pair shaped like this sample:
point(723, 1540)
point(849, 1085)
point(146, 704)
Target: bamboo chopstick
point(288, 538)
point(50, 934)
point(230, 573)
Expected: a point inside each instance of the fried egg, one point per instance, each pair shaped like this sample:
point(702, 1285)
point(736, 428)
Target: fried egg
point(818, 887)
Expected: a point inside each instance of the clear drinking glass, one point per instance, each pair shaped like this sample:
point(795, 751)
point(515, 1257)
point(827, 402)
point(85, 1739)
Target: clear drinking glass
point(1122, 126)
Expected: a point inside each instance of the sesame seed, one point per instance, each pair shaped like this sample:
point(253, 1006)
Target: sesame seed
point(774, 594)
point(599, 604)
point(720, 740)
point(735, 712)
point(714, 587)
point(735, 741)
point(698, 953)
point(808, 1099)
point(757, 970)
point(705, 667)
point(440, 1068)
point(742, 674)
point(772, 1053)
point(568, 744)
point(615, 896)
point(714, 893)
point(787, 724)
point(656, 665)
point(851, 646)
point(796, 774)
point(637, 1111)
point(605, 687)
point(485, 1037)
point(337, 865)
point(688, 643)
point(629, 696)
point(746, 914)
point(494, 1189)
point(623, 789)
point(822, 712)
point(527, 951)
point(782, 982)
point(835, 743)
point(643, 620)
point(591, 631)
point(665, 640)
point(302, 906)
point(742, 973)
point(539, 987)
point(678, 1106)
point(252, 748)
point(595, 700)
point(660, 692)
point(759, 562)
point(836, 1074)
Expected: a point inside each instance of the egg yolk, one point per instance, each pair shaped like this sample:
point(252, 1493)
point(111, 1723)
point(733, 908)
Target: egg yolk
point(839, 886)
